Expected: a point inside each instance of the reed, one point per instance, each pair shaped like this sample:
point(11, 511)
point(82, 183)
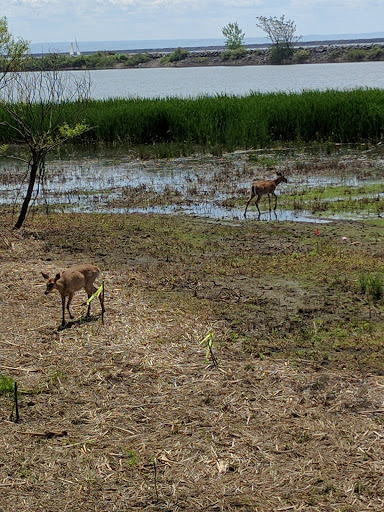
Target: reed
point(231, 122)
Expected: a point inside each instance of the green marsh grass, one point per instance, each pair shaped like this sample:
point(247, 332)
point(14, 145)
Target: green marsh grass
point(333, 199)
point(6, 384)
point(232, 122)
point(372, 285)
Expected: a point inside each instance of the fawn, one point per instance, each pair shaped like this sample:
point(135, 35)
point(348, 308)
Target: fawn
point(72, 280)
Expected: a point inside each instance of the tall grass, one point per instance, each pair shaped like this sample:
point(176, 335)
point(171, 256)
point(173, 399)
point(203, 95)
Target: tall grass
point(232, 122)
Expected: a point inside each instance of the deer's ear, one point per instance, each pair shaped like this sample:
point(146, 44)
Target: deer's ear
point(57, 276)
point(45, 275)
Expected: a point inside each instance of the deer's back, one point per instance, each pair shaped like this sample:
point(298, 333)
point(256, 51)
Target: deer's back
point(264, 186)
point(77, 277)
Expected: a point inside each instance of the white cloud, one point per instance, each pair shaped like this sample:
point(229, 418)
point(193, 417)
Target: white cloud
point(55, 20)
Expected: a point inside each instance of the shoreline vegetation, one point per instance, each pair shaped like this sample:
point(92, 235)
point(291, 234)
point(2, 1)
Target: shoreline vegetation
point(171, 127)
point(306, 53)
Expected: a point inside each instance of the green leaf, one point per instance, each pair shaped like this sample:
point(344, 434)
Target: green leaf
point(96, 294)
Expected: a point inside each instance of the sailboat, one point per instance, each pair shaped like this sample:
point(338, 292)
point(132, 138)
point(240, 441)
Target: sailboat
point(74, 49)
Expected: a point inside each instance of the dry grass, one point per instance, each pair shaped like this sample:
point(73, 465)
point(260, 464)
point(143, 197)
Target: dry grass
point(129, 416)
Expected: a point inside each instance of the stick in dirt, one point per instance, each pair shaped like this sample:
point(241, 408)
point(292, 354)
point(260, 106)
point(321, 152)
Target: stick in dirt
point(15, 405)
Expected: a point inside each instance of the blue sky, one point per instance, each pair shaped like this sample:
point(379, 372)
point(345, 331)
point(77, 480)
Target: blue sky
point(117, 20)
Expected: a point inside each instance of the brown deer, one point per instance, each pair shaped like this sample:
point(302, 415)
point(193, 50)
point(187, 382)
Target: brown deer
point(260, 188)
point(72, 280)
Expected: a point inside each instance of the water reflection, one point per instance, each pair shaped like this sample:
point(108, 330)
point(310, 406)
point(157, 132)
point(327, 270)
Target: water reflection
point(201, 186)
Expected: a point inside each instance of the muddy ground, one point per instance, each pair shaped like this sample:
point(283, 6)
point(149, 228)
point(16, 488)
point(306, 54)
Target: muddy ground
point(132, 415)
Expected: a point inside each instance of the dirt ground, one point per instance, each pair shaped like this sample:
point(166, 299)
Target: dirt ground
point(131, 415)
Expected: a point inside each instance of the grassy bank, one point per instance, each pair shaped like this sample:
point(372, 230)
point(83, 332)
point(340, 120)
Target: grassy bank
point(227, 123)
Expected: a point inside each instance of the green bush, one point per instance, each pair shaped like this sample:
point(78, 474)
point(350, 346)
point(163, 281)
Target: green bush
point(375, 53)
point(355, 55)
point(238, 53)
point(335, 55)
point(138, 58)
point(281, 54)
point(175, 56)
point(301, 56)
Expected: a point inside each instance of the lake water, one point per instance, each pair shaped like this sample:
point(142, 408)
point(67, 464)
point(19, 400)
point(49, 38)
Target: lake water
point(234, 80)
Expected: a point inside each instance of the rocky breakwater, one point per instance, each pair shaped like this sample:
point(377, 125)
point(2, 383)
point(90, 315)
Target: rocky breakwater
point(252, 56)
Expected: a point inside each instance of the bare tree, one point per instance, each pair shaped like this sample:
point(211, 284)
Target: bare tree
point(43, 110)
point(282, 34)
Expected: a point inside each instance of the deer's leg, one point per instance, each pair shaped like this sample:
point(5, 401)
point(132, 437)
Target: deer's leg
point(275, 201)
point(63, 309)
point(101, 298)
point(269, 201)
point(70, 297)
point(249, 200)
point(90, 291)
point(257, 203)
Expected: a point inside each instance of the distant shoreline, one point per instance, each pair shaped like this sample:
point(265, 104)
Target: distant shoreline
point(308, 52)
point(197, 48)
point(334, 42)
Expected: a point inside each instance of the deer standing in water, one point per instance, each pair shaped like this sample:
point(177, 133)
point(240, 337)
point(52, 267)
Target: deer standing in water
point(260, 188)
point(72, 280)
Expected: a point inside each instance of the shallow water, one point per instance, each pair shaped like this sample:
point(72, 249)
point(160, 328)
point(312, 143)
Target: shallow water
point(201, 186)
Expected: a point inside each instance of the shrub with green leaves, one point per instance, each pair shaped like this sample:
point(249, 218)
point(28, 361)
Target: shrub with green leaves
point(238, 53)
point(334, 55)
point(280, 54)
point(375, 53)
point(355, 55)
point(138, 58)
point(301, 56)
point(175, 56)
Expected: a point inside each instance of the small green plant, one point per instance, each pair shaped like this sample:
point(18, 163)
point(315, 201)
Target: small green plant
point(375, 287)
point(131, 457)
point(207, 342)
point(363, 282)
point(6, 384)
point(9, 386)
point(372, 286)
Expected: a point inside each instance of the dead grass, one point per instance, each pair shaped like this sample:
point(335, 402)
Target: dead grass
point(129, 416)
